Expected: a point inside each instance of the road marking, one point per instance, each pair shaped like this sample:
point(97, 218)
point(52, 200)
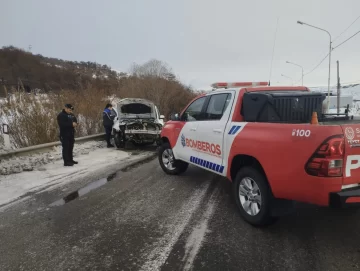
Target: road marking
point(162, 248)
point(197, 236)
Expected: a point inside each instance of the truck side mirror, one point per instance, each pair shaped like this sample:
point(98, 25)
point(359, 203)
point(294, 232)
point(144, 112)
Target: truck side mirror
point(174, 117)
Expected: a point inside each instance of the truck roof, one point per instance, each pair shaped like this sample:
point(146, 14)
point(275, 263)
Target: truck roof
point(265, 88)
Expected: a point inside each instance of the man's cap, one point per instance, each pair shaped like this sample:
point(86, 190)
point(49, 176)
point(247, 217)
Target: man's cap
point(69, 106)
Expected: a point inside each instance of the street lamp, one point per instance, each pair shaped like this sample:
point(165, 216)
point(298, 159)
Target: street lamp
point(330, 49)
point(292, 81)
point(302, 71)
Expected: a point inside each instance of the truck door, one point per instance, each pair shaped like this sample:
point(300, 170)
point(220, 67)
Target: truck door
point(185, 146)
point(211, 130)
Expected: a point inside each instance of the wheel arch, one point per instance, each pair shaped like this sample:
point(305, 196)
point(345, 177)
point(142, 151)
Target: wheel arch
point(242, 160)
point(164, 139)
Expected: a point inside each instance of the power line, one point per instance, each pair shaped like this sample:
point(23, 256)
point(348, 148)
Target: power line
point(346, 29)
point(328, 53)
point(350, 83)
point(346, 40)
point(314, 67)
point(322, 60)
point(335, 46)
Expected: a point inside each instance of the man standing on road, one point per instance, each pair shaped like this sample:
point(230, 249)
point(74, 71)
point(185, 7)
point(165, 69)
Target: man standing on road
point(67, 123)
point(108, 121)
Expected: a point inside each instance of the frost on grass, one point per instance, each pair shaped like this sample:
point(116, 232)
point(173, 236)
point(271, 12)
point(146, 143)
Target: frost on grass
point(38, 160)
point(32, 118)
point(2, 147)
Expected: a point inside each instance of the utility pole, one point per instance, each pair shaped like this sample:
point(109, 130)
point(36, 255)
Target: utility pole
point(338, 88)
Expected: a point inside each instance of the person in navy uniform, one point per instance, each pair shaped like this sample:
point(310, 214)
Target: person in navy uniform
point(108, 121)
point(67, 123)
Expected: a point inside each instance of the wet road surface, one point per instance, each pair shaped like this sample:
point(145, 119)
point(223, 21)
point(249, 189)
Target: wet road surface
point(145, 220)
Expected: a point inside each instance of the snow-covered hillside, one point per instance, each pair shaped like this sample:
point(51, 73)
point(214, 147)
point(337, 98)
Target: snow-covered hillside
point(353, 90)
point(349, 90)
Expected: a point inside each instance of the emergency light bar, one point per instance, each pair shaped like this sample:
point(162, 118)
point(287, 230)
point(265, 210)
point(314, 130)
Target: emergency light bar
point(238, 84)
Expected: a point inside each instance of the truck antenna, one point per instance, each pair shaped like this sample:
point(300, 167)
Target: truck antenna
point(272, 57)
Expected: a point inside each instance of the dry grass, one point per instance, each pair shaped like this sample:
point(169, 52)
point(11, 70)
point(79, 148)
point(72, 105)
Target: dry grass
point(32, 118)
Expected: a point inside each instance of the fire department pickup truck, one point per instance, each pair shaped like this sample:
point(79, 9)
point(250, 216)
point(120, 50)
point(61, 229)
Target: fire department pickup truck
point(274, 143)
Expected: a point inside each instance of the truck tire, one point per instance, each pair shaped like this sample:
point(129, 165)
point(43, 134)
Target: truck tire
point(253, 197)
point(167, 162)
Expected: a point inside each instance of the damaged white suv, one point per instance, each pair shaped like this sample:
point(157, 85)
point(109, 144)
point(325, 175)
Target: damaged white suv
point(138, 121)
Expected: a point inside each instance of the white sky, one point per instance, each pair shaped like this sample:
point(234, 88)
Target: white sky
point(204, 41)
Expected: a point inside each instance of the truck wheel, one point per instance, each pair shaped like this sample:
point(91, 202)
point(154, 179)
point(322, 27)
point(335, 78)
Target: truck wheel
point(168, 163)
point(253, 197)
point(118, 141)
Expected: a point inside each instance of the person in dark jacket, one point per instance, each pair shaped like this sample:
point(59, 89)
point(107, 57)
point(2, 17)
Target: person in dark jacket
point(67, 123)
point(108, 121)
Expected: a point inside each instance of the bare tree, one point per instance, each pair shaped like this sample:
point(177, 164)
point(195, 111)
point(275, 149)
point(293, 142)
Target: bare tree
point(153, 68)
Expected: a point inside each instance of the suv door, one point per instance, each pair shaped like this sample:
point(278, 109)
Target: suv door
point(185, 146)
point(211, 131)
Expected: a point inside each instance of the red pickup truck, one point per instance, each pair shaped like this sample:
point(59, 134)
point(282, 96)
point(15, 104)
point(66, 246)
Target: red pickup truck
point(274, 143)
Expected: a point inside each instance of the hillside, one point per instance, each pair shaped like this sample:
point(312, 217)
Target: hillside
point(36, 71)
point(86, 85)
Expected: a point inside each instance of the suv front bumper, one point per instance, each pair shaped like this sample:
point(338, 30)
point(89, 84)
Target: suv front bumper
point(142, 132)
point(346, 198)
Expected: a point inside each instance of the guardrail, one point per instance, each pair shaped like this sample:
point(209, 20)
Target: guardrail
point(42, 147)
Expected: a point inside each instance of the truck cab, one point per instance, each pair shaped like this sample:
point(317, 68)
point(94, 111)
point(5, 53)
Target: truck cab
point(266, 141)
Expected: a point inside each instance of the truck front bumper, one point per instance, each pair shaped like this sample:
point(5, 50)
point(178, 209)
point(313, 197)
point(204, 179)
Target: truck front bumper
point(346, 198)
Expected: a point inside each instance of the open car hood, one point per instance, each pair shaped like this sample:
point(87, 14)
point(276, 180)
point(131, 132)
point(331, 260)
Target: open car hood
point(134, 108)
point(134, 100)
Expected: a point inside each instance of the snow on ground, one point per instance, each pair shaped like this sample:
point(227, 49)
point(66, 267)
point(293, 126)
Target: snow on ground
point(37, 160)
point(92, 158)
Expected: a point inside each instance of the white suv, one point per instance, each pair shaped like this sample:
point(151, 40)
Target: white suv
point(138, 121)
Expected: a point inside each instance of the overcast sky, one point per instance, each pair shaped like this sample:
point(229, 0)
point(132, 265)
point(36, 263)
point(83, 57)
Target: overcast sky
point(204, 41)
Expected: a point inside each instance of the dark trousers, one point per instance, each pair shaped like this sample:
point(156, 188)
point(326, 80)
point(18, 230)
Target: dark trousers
point(108, 130)
point(67, 148)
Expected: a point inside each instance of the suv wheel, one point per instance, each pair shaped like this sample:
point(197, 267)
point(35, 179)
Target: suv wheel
point(168, 163)
point(253, 197)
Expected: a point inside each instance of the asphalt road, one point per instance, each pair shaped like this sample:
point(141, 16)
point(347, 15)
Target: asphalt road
point(142, 219)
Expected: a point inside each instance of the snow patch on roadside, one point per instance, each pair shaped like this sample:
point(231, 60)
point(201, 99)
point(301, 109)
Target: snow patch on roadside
point(54, 175)
point(38, 160)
